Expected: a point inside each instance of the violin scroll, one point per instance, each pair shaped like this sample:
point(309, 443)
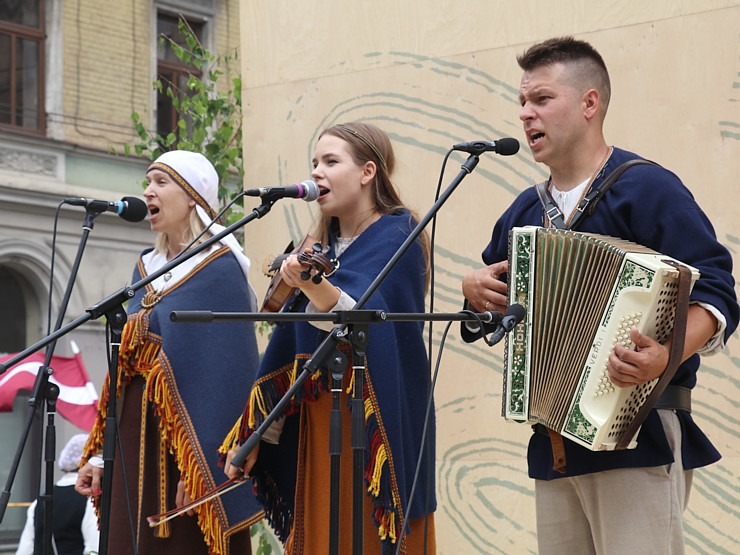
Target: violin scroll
point(316, 259)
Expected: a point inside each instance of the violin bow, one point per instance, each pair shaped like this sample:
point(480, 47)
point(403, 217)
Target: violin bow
point(228, 485)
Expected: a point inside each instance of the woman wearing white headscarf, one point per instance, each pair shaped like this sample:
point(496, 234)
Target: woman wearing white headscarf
point(180, 385)
point(74, 524)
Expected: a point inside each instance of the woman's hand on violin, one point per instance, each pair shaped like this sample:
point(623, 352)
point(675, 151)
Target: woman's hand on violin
point(323, 295)
point(290, 271)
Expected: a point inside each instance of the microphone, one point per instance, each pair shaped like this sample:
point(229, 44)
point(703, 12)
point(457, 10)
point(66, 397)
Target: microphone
point(514, 314)
point(131, 209)
point(505, 147)
point(307, 190)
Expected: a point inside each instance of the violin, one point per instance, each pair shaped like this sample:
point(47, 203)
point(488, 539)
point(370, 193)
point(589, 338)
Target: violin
point(313, 258)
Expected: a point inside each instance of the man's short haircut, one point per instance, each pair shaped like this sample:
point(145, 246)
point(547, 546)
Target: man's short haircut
point(587, 67)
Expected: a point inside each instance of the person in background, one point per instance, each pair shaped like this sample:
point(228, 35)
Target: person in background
point(626, 501)
point(181, 385)
point(75, 526)
point(363, 222)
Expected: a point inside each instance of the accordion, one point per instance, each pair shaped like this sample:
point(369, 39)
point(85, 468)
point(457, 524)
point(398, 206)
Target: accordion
point(582, 293)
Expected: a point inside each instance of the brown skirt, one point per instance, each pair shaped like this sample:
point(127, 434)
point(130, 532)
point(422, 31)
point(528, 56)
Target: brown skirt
point(310, 533)
point(128, 526)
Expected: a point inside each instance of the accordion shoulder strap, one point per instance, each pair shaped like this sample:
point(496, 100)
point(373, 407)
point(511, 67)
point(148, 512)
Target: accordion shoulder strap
point(674, 358)
point(552, 212)
point(590, 200)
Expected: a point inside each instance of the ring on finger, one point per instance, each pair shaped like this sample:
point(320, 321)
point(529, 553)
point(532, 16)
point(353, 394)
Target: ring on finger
point(487, 303)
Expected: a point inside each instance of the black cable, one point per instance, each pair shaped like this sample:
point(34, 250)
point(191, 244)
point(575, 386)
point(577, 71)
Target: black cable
point(51, 267)
point(430, 333)
point(423, 439)
point(481, 331)
point(205, 229)
point(424, 444)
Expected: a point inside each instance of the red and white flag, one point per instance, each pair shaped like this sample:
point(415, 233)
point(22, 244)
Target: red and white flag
point(78, 399)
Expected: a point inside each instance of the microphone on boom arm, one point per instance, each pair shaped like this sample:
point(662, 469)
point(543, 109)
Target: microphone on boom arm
point(505, 147)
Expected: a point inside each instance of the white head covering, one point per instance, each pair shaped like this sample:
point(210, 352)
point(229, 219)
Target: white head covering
point(70, 456)
point(197, 176)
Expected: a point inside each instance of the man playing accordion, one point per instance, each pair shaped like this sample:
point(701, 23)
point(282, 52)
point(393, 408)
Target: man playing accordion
point(631, 500)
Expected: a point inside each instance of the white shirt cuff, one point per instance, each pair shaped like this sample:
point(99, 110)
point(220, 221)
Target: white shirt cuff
point(717, 342)
point(345, 302)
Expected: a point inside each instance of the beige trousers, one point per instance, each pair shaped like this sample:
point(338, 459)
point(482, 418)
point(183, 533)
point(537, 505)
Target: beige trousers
point(629, 511)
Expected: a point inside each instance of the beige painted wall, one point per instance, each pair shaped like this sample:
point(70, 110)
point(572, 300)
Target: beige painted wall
point(433, 73)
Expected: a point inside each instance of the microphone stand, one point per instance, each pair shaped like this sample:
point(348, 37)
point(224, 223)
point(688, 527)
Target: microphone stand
point(112, 308)
point(356, 320)
point(328, 349)
point(48, 392)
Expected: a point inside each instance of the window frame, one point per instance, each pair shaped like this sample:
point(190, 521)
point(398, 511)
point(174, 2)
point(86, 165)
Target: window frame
point(176, 68)
point(19, 32)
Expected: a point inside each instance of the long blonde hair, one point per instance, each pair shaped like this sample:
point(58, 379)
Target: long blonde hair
point(368, 143)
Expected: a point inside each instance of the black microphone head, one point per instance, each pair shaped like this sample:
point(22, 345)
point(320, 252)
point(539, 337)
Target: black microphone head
point(507, 146)
point(517, 311)
point(134, 209)
point(312, 190)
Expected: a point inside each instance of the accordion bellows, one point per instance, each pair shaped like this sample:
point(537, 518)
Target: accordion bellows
point(582, 293)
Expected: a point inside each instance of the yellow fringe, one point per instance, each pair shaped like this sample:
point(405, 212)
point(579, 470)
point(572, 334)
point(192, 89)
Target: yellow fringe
point(351, 384)
point(173, 434)
point(294, 372)
point(380, 458)
point(387, 525)
point(131, 336)
point(369, 410)
point(231, 441)
point(390, 530)
point(256, 401)
point(392, 526)
point(256, 397)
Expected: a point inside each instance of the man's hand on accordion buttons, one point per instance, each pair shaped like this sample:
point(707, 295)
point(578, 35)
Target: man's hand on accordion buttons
point(633, 367)
point(483, 288)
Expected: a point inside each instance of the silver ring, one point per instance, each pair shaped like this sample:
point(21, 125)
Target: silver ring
point(487, 303)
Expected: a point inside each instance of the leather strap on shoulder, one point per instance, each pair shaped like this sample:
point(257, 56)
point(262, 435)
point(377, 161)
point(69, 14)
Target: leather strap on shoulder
point(587, 206)
point(589, 202)
point(552, 212)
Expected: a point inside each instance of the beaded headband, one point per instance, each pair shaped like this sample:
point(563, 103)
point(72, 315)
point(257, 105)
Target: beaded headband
point(366, 141)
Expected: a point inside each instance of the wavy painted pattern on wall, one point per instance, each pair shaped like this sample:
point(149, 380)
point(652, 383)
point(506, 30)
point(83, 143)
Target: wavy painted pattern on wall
point(486, 500)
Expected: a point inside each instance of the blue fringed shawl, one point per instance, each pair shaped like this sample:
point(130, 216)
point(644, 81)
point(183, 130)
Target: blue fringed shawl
point(196, 378)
